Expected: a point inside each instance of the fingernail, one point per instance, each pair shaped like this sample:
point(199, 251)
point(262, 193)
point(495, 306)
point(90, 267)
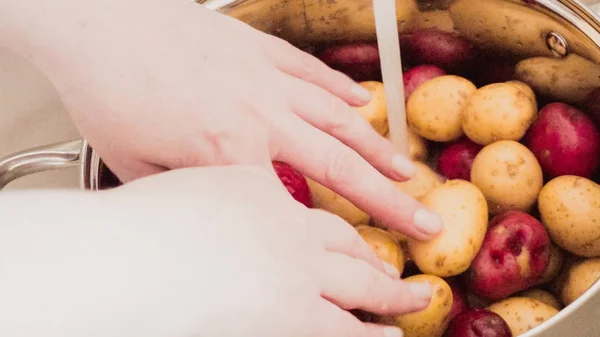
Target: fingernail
point(403, 166)
point(361, 92)
point(421, 290)
point(391, 331)
point(428, 222)
point(391, 271)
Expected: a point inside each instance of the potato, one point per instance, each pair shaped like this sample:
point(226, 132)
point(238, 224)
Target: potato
point(433, 46)
point(414, 77)
point(525, 88)
point(513, 257)
point(568, 79)
point(360, 61)
point(434, 19)
point(375, 112)
point(579, 278)
point(570, 209)
point(422, 182)
point(565, 141)
point(509, 176)
point(417, 146)
point(435, 108)
point(499, 111)
point(294, 182)
point(384, 245)
point(478, 323)
point(522, 313)
point(542, 296)
point(456, 159)
point(431, 321)
point(326, 199)
point(464, 212)
point(557, 258)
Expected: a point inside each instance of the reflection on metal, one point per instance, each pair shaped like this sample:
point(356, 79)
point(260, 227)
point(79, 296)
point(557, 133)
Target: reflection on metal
point(557, 44)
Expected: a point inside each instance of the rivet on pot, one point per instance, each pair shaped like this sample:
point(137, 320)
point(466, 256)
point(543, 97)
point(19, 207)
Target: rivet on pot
point(557, 44)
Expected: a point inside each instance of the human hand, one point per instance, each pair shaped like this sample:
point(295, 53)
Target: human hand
point(192, 252)
point(162, 84)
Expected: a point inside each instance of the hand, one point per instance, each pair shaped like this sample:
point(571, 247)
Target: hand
point(164, 84)
point(195, 252)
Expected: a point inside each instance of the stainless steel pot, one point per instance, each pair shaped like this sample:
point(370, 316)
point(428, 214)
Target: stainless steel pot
point(551, 28)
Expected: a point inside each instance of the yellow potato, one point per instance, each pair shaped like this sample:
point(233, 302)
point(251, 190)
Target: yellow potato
point(522, 313)
point(567, 79)
point(384, 245)
point(509, 176)
point(437, 19)
point(328, 200)
point(431, 321)
point(375, 112)
point(464, 212)
point(579, 278)
point(542, 296)
point(434, 110)
point(557, 258)
point(417, 146)
point(570, 209)
point(422, 182)
point(526, 89)
point(498, 111)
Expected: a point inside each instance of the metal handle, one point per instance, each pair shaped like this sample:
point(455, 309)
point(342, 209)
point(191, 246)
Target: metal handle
point(40, 159)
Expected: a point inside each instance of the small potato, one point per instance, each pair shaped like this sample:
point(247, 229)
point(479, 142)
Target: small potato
point(375, 112)
point(569, 79)
point(464, 213)
point(579, 278)
point(433, 46)
point(436, 19)
point(384, 245)
point(557, 258)
point(542, 296)
point(498, 111)
point(525, 88)
point(422, 182)
point(570, 209)
point(523, 314)
point(431, 321)
point(509, 176)
point(435, 108)
point(327, 200)
point(417, 146)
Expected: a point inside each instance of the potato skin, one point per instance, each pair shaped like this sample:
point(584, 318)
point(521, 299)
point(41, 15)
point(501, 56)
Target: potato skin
point(498, 111)
point(422, 182)
point(579, 278)
point(375, 112)
point(543, 296)
point(570, 209)
point(464, 212)
point(384, 245)
point(522, 313)
point(431, 321)
point(568, 79)
point(417, 146)
point(509, 176)
point(434, 110)
point(327, 200)
point(557, 258)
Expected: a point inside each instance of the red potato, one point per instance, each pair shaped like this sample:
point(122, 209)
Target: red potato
point(478, 323)
point(592, 105)
point(565, 141)
point(459, 303)
point(514, 256)
point(456, 159)
point(418, 75)
point(360, 61)
point(295, 183)
point(443, 49)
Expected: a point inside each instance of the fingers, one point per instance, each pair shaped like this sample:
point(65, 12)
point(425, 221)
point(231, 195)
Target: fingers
point(327, 161)
point(353, 284)
point(335, 322)
point(302, 65)
point(341, 237)
point(333, 116)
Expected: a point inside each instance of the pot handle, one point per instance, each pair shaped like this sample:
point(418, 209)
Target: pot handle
point(40, 159)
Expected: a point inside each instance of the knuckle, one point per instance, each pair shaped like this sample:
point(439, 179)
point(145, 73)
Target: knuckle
point(338, 171)
point(340, 116)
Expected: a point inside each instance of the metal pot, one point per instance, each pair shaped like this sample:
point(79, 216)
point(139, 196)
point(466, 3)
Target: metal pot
point(551, 28)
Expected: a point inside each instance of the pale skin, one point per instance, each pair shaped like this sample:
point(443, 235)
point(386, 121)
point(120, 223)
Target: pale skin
point(153, 93)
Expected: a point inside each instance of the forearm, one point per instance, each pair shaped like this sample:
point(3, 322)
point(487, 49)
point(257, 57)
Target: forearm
point(75, 265)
